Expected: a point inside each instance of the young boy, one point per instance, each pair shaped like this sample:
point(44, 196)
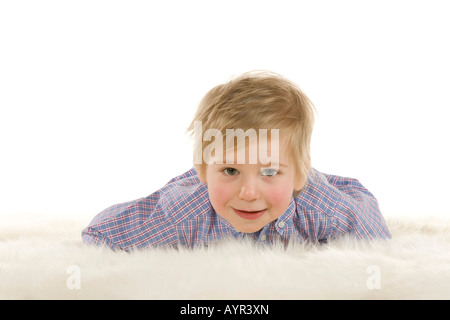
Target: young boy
point(252, 177)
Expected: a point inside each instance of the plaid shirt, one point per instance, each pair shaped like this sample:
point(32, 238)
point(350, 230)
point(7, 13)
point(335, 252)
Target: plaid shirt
point(180, 213)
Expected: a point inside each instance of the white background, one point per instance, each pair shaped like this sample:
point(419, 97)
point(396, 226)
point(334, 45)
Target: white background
point(96, 96)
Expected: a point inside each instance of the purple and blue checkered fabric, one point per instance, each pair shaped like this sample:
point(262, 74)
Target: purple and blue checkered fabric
point(180, 214)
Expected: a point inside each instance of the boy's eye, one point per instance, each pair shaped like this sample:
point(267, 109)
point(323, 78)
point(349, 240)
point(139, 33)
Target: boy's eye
point(230, 171)
point(269, 172)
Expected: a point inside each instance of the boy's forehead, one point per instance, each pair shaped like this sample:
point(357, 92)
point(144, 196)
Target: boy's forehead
point(271, 152)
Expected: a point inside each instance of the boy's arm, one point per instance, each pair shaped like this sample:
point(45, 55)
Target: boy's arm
point(146, 222)
point(331, 206)
point(357, 211)
point(91, 236)
point(142, 223)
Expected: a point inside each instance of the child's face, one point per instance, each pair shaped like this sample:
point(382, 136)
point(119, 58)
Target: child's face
point(249, 196)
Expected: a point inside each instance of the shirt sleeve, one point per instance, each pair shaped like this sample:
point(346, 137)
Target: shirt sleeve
point(145, 222)
point(132, 225)
point(91, 236)
point(333, 206)
point(357, 211)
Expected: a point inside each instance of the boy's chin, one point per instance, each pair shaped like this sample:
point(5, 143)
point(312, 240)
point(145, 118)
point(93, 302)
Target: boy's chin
point(248, 228)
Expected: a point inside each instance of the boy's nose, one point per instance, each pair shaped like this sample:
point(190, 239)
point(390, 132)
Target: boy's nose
point(249, 190)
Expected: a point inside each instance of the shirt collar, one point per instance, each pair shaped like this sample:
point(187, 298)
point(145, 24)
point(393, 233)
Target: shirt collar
point(284, 222)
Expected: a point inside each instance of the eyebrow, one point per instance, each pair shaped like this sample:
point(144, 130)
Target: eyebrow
point(278, 164)
point(264, 165)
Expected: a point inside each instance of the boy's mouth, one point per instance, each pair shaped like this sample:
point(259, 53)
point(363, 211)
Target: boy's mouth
point(249, 214)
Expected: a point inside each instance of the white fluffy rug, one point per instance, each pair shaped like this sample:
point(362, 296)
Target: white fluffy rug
point(43, 258)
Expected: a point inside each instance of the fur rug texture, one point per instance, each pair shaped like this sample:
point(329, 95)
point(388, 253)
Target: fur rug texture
point(44, 258)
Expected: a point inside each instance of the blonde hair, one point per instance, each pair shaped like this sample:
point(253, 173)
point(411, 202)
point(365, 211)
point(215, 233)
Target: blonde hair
point(261, 100)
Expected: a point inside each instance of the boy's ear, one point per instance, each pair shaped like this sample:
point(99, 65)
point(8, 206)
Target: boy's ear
point(299, 183)
point(201, 174)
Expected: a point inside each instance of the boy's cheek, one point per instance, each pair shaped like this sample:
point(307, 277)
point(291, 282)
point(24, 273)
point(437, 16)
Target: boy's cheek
point(218, 194)
point(279, 196)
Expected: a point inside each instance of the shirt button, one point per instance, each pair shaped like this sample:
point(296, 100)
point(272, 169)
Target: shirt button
point(281, 224)
point(263, 237)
